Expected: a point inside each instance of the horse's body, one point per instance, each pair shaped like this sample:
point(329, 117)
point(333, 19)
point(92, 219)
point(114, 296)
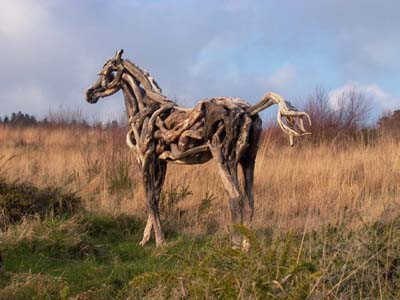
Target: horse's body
point(224, 129)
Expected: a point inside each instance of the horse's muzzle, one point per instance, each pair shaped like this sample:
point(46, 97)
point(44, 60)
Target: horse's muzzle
point(90, 96)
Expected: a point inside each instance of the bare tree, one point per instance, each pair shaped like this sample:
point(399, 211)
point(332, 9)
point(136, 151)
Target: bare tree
point(353, 109)
point(339, 117)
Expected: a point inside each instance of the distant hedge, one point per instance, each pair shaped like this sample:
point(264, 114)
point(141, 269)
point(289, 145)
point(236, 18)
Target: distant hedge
point(18, 200)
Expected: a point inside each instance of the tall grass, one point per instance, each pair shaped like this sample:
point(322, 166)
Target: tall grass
point(295, 188)
point(326, 222)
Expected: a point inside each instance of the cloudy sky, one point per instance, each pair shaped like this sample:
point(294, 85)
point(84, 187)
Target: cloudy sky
point(50, 51)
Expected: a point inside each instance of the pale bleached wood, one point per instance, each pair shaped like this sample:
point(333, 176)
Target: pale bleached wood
point(222, 128)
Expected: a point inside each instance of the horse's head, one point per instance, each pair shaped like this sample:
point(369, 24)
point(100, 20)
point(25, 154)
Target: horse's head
point(109, 81)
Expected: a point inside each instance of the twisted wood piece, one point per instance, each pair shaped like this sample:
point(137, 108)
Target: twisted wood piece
point(222, 128)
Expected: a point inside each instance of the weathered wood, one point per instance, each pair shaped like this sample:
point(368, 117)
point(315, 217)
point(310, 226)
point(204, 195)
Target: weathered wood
point(225, 129)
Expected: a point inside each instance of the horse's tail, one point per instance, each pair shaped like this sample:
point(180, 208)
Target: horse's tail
point(290, 120)
point(267, 100)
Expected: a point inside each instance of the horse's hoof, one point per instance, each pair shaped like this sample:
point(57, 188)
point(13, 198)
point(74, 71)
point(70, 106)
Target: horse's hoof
point(142, 243)
point(160, 243)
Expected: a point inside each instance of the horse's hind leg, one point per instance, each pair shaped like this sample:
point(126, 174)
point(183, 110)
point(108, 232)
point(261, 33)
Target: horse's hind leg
point(228, 173)
point(247, 162)
point(248, 173)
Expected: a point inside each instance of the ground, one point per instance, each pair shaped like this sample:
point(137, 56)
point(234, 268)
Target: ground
point(89, 256)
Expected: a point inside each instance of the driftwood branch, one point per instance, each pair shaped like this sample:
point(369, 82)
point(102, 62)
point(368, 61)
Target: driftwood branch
point(224, 129)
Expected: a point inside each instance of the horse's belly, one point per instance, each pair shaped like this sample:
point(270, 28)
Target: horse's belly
point(199, 158)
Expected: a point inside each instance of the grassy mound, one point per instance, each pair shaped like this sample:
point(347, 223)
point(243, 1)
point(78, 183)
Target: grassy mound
point(98, 257)
point(18, 200)
point(86, 254)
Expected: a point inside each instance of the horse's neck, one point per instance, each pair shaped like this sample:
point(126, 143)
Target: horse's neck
point(136, 98)
point(141, 91)
point(141, 75)
point(131, 104)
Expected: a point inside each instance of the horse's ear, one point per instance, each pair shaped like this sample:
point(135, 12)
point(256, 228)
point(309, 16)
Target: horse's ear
point(118, 54)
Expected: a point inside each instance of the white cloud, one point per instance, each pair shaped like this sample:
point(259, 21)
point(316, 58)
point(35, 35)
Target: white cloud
point(196, 48)
point(280, 79)
point(372, 92)
point(283, 76)
point(20, 18)
point(216, 56)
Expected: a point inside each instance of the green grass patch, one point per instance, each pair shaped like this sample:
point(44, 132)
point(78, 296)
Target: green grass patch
point(98, 257)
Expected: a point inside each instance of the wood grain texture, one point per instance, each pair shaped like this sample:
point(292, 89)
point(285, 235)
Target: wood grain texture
point(224, 129)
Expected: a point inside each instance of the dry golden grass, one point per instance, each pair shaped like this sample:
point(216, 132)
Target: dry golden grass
point(295, 188)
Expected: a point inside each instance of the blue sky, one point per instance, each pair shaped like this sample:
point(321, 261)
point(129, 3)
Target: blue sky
point(50, 51)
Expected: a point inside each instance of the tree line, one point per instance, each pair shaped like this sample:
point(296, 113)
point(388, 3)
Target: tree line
point(348, 117)
point(58, 119)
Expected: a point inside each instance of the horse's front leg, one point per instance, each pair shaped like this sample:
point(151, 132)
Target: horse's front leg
point(153, 173)
point(147, 231)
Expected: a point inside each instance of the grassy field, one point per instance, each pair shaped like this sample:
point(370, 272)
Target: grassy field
point(97, 257)
point(308, 185)
point(326, 222)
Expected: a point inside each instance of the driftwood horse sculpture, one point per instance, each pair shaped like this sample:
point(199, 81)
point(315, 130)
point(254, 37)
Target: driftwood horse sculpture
point(224, 129)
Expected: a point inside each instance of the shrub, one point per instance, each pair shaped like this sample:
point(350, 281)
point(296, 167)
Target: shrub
point(18, 200)
point(340, 118)
point(390, 124)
